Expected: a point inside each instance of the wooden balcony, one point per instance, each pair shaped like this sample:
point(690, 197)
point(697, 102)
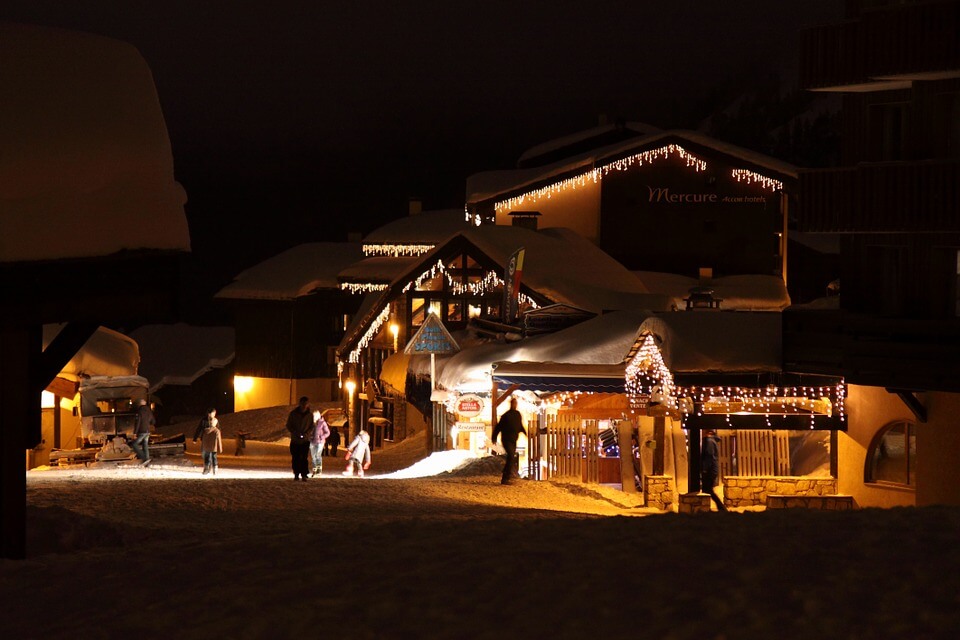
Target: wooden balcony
point(884, 352)
point(911, 42)
point(885, 197)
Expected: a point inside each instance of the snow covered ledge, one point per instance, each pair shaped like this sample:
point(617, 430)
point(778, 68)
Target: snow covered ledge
point(88, 168)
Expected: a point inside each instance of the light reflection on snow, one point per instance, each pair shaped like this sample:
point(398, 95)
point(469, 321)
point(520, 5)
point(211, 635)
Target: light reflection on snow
point(434, 464)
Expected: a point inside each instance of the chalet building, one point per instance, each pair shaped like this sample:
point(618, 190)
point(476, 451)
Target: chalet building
point(289, 314)
point(664, 201)
point(461, 282)
point(893, 332)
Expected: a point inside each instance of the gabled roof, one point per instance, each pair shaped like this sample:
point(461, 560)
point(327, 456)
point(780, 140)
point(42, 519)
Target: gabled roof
point(294, 273)
point(580, 141)
point(491, 185)
point(560, 266)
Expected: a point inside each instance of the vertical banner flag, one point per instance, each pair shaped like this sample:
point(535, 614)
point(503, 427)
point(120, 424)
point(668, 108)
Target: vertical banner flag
point(511, 286)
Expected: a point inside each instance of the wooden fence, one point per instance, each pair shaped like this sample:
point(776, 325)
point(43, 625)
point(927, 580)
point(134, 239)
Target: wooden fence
point(570, 449)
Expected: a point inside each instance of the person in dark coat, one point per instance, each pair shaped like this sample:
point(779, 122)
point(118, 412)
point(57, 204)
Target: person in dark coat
point(710, 466)
point(300, 426)
point(509, 427)
point(141, 435)
point(333, 441)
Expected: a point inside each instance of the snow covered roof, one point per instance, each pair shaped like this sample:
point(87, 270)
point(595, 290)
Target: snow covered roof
point(717, 341)
point(493, 184)
point(181, 353)
point(428, 227)
point(294, 273)
point(604, 341)
point(565, 267)
point(740, 292)
point(87, 168)
point(106, 353)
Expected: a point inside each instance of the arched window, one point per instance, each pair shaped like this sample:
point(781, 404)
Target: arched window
point(892, 457)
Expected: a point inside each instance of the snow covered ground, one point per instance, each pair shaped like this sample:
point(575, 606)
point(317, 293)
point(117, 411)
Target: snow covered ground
point(164, 552)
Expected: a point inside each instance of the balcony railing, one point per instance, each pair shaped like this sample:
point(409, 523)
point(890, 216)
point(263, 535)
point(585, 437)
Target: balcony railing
point(887, 197)
point(902, 41)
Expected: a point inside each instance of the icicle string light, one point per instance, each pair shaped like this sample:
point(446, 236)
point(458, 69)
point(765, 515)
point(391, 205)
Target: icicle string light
point(751, 177)
point(486, 284)
point(369, 334)
point(646, 372)
point(489, 282)
point(593, 176)
point(362, 287)
point(647, 375)
point(397, 250)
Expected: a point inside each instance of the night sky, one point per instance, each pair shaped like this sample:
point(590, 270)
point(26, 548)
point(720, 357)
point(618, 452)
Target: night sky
point(296, 121)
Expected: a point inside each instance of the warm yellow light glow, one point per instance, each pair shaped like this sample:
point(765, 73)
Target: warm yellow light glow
point(351, 387)
point(242, 384)
point(362, 287)
point(47, 400)
point(395, 330)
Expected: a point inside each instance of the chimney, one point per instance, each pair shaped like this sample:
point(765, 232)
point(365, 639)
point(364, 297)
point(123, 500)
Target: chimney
point(414, 206)
point(525, 219)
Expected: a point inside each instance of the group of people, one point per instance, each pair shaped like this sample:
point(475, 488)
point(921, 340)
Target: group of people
point(311, 438)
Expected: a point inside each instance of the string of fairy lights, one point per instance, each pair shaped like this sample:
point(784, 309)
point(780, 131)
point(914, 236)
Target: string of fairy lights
point(395, 250)
point(647, 376)
point(752, 177)
point(489, 282)
point(363, 287)
point(595, 175)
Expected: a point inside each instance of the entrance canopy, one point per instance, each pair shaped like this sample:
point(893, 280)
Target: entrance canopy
point(553, 377)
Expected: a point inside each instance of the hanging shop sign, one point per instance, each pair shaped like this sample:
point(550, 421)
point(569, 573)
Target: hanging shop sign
point(470, 405)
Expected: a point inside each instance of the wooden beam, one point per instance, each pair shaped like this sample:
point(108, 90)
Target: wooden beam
point(502, 397)
point(61, 349)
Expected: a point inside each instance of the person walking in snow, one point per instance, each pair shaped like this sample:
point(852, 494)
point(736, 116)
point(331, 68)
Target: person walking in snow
point(358, 455)
point(318, 440)
point(300, 424)
point(204, 423)
point(509, 427)
point(141, 434)
point(333, 442)
point(710, 467)
point(211, 442)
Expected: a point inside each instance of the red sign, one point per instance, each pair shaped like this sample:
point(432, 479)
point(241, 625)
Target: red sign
point(470, 405)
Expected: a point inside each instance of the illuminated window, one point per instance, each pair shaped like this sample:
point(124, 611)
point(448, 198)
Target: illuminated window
point(892, 457)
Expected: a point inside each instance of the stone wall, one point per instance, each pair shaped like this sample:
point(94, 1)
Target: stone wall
point(658, 493)
point(750, 491)
point(826, 503)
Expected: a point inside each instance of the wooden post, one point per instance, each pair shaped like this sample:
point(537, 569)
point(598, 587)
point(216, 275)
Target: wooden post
point(20, 428)
point(660, 442)
point(693, 461)
point(624, 431)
